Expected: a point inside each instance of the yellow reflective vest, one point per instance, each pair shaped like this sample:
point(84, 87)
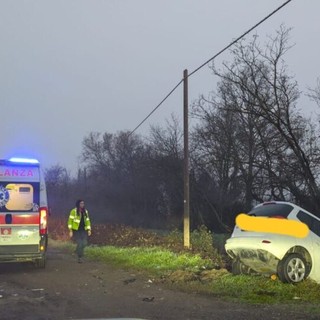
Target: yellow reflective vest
point(74, 220)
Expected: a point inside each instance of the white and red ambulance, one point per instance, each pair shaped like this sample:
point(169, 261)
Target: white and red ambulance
point(23, 212)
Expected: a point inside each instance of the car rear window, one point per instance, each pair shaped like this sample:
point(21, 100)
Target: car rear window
point(272, 210)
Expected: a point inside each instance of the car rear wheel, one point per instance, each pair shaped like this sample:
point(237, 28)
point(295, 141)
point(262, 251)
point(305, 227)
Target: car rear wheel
point(239, 268)
point(293, 268)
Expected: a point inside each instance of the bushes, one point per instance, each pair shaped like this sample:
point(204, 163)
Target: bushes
point(57, 229)
point(202, 242)
point(201, 239)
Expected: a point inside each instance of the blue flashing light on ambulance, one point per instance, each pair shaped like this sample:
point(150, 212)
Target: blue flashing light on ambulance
point(23, 212)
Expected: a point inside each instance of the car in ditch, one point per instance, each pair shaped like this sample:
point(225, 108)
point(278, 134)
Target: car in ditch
point(293, 259)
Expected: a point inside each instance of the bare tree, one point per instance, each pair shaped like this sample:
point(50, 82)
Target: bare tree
point(314, 93)
point(120, 177)
point(166, 145)
point(251, 133)
point(59, 189)
point(215, 168)
point(262, 76)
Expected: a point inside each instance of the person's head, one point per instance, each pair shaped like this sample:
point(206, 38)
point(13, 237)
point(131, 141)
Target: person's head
point(80, 204)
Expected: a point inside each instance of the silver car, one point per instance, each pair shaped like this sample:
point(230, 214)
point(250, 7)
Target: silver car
point(291, 258)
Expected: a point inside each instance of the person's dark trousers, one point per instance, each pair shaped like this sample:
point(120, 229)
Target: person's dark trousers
point(81, 239)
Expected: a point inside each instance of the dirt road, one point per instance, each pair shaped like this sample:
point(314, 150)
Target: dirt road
point(68, 290)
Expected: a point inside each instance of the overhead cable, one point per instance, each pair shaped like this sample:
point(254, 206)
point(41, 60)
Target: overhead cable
point(209, 60)
point(236, 40)
point(165, 98)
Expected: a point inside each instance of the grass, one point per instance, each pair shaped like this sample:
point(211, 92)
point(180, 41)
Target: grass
point(155, 260)
point(259, 289)
point(190, 272)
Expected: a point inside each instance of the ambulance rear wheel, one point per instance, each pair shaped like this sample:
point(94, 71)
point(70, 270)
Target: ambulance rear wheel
point(40, 263)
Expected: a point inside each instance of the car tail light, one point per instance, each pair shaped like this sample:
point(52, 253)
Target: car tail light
point(278, 217)
point(43, 220)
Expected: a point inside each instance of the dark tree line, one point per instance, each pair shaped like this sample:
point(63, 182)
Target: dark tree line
point(250, 144)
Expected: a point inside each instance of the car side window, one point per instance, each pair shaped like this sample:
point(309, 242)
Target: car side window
point(311, 222)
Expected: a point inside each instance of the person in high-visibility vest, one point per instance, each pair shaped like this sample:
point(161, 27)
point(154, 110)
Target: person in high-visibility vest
point(79, 226)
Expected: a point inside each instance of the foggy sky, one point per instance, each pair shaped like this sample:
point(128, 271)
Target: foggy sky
point(72, 67)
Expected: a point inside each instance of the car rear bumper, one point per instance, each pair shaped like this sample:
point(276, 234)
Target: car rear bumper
point(253, 253)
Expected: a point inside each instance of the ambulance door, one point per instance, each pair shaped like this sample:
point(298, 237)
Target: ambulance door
point(19, 215)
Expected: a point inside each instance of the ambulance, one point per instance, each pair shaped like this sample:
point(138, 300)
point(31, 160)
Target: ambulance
point(23, 212)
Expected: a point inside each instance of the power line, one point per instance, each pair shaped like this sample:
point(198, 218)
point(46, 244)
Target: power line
point(209, 60)
point(244, 34)
point(166, 97)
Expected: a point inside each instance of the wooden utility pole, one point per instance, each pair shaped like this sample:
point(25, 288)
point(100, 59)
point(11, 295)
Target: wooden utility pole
point(186, 200)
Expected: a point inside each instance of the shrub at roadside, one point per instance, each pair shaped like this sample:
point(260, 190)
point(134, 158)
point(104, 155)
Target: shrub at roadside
point(201, 239)
point(202, 243)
